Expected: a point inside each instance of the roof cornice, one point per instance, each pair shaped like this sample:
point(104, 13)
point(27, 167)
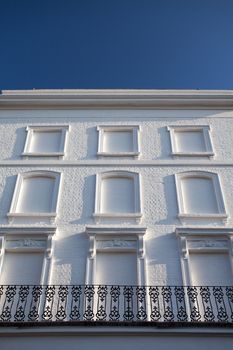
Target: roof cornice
point(116, 99)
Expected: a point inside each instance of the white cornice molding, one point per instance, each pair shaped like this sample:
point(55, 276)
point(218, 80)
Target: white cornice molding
point(110, 230)
point(22, 230)
point(116, 99)
point(115, 163)
point(204, 231)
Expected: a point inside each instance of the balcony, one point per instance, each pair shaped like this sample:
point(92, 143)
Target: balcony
point(163, 306)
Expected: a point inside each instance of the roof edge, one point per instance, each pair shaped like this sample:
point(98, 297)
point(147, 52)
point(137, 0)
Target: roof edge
point(118, 98)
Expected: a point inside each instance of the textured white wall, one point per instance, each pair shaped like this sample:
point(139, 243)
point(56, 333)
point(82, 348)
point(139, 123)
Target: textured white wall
point(82, 143)
point(76, 204)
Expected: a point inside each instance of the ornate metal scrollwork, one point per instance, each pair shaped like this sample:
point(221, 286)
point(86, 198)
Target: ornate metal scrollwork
point(35, 303)
point(207, 305)
point(116, 303)
point(115, 292)
point(167, 303)
point(89, 293)
point(154, 303)
point(141, 303)
point(128, 293)
point(48, 304)
point(76, 293)
point(220, 304)
point(180, 304)
point(62, 301)
point(193, 303)
point(8, 303)
point(102, 293)
point(21, 305)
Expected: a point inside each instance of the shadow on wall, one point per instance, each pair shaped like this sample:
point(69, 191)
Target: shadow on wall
point(171, 202)
point(165, 143)
point(165, 268)
point(92, 143)
point(6, 197)
point(19, 143)
point(70, 268)
point(88, 202)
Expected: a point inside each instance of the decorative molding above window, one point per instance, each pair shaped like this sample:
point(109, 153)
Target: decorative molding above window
point(118, 141)
point(35, 195)
point(116, 240)
point(118, 195)
point(199, 196)
point(30, 244)
point(191, 141)
point(25, 230)
point(204, 240)
point(23, 239)
point(45, 141)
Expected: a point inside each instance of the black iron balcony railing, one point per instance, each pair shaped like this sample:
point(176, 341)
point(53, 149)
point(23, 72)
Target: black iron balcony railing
point(114, 304)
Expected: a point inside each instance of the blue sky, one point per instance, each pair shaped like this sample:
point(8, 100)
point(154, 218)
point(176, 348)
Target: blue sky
point(154, 44)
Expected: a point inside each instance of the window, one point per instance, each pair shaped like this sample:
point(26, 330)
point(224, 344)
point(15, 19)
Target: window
point(22, 268)
point(35, 194)
point(26, 255)
point(118, 141)
point(199, 195)
point(190, 141)
point(210, 269)
point(45, 141)
point(118, 195)
point(116, 256)
point(116, 268)
point(25, 265)
point(205, 256)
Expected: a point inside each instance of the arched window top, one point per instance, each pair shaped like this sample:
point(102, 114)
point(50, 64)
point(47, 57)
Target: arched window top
point(197, 174)
point(40, 173)
point(36, 194)
point(121, 173)
point(199, 195)
point(117, 194)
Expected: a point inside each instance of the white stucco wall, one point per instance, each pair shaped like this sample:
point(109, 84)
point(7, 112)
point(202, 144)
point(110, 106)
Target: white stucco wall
point(77, 192)
point(77, 198)
point(82, 143)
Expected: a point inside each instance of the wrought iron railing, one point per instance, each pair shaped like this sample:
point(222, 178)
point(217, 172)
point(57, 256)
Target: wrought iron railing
point(114, 304)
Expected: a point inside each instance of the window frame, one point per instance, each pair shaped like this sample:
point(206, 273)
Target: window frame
point(205, 129)
point(116, 239)
point(135, 129)
point(48, 128)
point(137, 214)
point(28, 240)
point(202, 240)
point(16, 195)
point(221, 214)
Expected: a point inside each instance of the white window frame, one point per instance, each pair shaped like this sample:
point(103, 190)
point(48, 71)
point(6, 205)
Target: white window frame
point(118, 240)
point(55, 198)
point(28, 240)
point(38, 128)
point(205, 129)
point(221, 214)
point(136, 144)
point(137, 214)
point(202, 240)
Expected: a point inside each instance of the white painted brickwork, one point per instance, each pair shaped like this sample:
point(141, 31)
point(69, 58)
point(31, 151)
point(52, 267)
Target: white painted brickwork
point(77, 193)
point(168, 240)
point(82, 138)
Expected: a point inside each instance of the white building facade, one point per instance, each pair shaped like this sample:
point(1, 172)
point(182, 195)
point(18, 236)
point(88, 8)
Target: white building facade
point(116, 219)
